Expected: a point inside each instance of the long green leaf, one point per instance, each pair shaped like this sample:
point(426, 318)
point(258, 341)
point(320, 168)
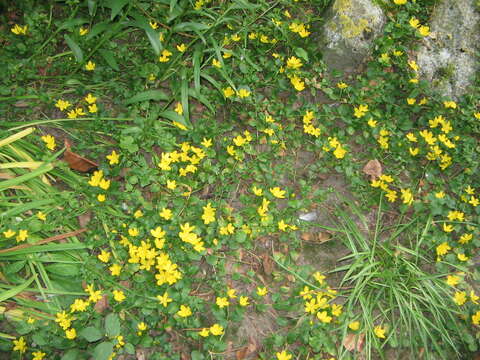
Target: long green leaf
point(20, 179)
point(116, 6)
point(16, 290)
point(77, 52)
point(157, 95)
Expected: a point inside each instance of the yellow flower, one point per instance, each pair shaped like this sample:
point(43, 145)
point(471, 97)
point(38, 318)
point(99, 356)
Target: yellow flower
point(297, 83)
point(465, 238)
point(165, 56)
point(372, 123)
point(153, 25)
point(90, 66)
point(448, 227)
point(342, 85)
point(277, 192)
point(118, 295)
point(413, 151)
point(414, 22)
point(424, 30)
point(83, 31)
point(460, 297)
point(49, 141)
point(179, 109)
point(476, 318)
point(164, 299)
point(19, 30)
point(115, 269)
point(104, 184)
point(182, 48)
point(443, 249)
point(379, 331)
point(184, 311)
point(204, 333)
point(339, 152)
point(101, 197)
point(243, 301)
point(9, 233)
point(413, 65)
point(294, 63)
point(20, 345)
point(283, 355)
point(38, 355)
point(179, 125)
point(462, 257)
point(138, 214)
point(354, 325)
point(400, 2)
point(262, 291)
point(242, 93)
point(324, 317)
point(142, 326)
point(216, 63)
point(360, 111)
point(208, 214)
point(92, 108)
point(171, 184)
point(70, 334)
point(407, 196)
point(236, 37)
point(206, 142)
point(22, 235)
point(216, 329)
point(440, 195)
point(231, 293)
point(62, 104)
point(452, 280)
point(450, 104)
point(222, 302)
point(104, 256)
point(474, 297)
point(90, 99)
point(227, 55)
point(166, 214)
point(228, 92)
point(411, 101)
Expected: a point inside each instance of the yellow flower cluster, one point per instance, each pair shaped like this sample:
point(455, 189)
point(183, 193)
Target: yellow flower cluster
point(383, 183)
point(319, 302)
point(300, 29)
point(187, 235)
point(194, 158)
point(308, 127)
point(90, 101)
point(338, 150)
point(435, 152)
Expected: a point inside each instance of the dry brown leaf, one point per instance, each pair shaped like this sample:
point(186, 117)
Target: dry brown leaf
point(323, 237)
point(373, 168)
point(140, 354)
point(84, 219)
point(77, 162)
point(306, 236)
point(101, 304)
point(267, 263)
point(247, 351)
point(354, 342)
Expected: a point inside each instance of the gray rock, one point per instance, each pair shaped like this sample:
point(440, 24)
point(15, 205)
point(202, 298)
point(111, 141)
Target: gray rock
point(447, 59)
point(351, 27)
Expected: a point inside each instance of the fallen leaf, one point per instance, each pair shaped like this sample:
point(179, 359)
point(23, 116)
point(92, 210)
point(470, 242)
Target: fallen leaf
point(306, 236)
point(267, 263)
point(323, 237)
point(101, 304)
point(247, 351)
point(373, 168)
point(84, 219)
point(77, 162)
point(354, 342)
point(140, 354)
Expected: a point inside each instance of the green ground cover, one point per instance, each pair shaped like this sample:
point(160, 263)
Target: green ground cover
point(185, 180)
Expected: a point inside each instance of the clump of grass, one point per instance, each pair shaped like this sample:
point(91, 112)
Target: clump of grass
point(392, 288)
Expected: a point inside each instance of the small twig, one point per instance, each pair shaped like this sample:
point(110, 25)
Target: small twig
point(44, 241)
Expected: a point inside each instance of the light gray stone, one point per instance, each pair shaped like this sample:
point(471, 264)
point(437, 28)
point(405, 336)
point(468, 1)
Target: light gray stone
point(351, 27)
point(447, 59)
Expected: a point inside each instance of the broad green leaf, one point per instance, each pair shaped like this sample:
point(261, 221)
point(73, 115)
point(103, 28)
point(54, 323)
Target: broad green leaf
point(92, 7)
point(72, 24)
point(14, 267)
point(116, 6)
point(173, 116)
point(77, 52)
point(197, 355)
point(184, 95)
point(301, 53)
point(109, 58)
point(157, 95)
point(203, 99)
point(103, 351)
point(43, 248)
point(112, 325)
point(197, 62)
point(97, 29)
point(7, 294)
point(190, 26)
point(63, 269)
point(154, 40)
point(72, 354)
point(91, 334)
